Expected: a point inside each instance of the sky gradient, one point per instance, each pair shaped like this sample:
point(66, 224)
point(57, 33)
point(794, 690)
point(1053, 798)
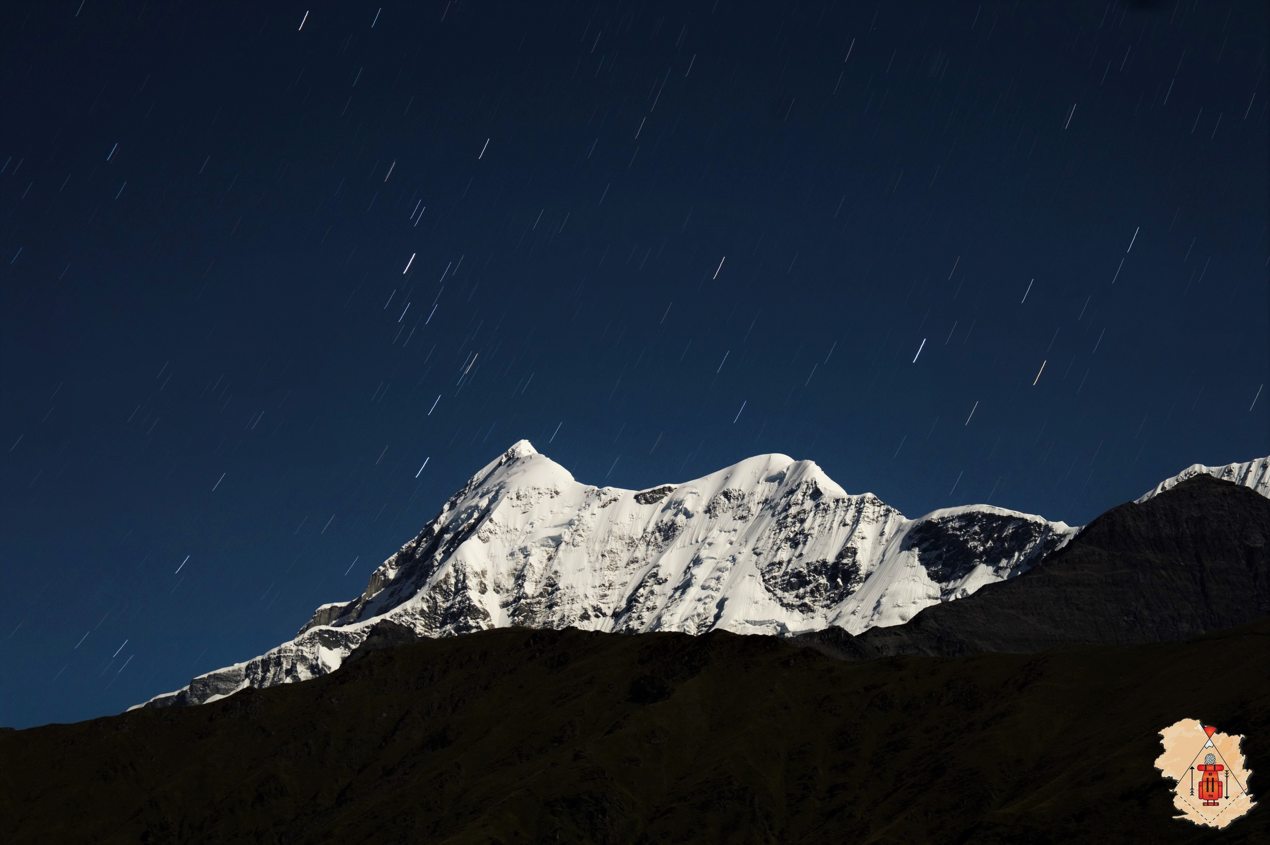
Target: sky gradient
point(258, 266)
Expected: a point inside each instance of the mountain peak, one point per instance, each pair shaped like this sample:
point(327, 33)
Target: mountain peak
point(521, 465)
point(521, 449)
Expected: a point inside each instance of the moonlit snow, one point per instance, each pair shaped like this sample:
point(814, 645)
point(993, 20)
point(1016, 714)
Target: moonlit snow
point(768, 546)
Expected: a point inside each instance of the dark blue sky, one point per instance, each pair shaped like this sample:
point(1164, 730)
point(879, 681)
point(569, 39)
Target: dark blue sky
point(210, 348)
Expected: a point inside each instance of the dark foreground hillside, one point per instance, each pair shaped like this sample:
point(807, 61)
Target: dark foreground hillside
point(564, 736)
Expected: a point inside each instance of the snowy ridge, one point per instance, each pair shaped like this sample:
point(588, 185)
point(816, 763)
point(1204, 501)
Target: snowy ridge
point(769, 545)
point(1254, 474)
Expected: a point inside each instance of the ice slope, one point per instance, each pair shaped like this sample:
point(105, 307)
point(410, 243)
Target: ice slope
point(768, 545)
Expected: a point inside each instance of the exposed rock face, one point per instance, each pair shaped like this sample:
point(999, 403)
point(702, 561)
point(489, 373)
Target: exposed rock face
point(770, 545)
point(1195, 558)
point(656, 494)
point(817, 583)
point(949, 547)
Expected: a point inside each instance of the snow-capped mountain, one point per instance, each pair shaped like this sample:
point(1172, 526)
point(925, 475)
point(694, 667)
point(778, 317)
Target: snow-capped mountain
point(769, 545)
point(1254, 474)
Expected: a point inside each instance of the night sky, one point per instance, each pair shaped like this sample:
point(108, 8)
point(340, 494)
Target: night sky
point(259, 262)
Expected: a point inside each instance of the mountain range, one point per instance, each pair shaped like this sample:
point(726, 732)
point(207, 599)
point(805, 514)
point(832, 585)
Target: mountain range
point(1029, 711)
point(767, 546)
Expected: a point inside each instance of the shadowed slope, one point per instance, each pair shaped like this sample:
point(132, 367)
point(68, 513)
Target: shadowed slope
point(568, 736)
